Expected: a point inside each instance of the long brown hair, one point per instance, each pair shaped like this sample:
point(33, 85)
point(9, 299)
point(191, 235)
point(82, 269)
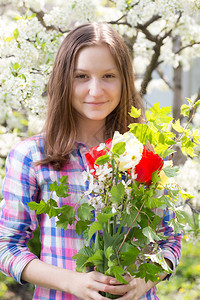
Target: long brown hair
point(60, 128)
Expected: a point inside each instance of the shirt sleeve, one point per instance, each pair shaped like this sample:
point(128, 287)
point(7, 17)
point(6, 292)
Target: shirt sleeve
point(171, 247)
point(17, 222)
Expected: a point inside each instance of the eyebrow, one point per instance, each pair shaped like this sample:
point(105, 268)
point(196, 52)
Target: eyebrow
point(107, 70)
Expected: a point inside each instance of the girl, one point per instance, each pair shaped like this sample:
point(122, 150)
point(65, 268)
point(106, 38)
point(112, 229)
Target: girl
point(90, 92)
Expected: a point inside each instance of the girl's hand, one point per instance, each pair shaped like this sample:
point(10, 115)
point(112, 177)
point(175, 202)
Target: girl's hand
point(87, 285)
point(134, 290)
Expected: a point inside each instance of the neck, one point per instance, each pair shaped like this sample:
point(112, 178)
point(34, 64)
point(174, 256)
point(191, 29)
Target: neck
point(91, 133)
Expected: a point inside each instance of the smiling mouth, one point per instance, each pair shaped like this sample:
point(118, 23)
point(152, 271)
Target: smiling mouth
point(95, 103)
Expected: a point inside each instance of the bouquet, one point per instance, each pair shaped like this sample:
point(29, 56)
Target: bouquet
point(130, 181)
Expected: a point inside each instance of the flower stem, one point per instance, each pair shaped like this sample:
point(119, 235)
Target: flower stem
point(125, 237)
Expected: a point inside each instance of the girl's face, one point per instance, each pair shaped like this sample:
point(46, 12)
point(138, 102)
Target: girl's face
point(97, 83)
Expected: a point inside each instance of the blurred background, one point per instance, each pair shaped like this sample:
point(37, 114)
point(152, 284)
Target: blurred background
point(164, 41)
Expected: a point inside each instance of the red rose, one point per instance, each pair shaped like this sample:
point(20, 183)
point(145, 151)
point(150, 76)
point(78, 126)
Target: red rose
point(93, 154)
point(149, 163)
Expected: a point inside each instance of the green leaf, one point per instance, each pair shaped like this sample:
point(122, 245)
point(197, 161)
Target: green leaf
point(97, 258)
point(177, 227)
point(160, 115)
point(142, 132)
point(135, 113)
point(81, 226)
point(16, 33)
point(84, 211)
point(17, 18)
point(185, 195)
point(118, 272)
point(102, 159)
point(103, 218)
point(189, 100)
point(32, 16)
point(173, 193)
point(16, 66)
point(82, 258)
point(61, 189)
point(197, 103)
point(95, 226)
point(8, 39)
point(183, 216)
point(150, 234)
point(66, 217)
point(158, 258)
point(128, 254)
point(67, 211)
point(23, 77)
point(171, 171)
point(109, 252)
point(117, 192)
point(155, 177)
point(52, 202)
point(98, 244)
point(126, 220)
point(185, 110)
point(41, 208)
point(132, 269)
point(62, 223)
point(168, 152)
point(177, 126)
point(196, 136)
point(149, 272)
point(153, 202)
point(63, 179)
point(119, 148)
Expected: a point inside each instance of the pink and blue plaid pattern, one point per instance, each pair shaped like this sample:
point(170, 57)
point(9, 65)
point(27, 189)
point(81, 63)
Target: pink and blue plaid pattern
point(25, 182)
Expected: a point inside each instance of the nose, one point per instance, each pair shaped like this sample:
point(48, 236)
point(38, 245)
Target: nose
point(95, 87)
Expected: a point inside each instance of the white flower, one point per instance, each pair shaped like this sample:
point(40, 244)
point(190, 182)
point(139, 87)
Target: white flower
point(7, 141)
point(88, 176)
point(114, 209)
point(103, 172)
point(128, 208)
point(133, 150)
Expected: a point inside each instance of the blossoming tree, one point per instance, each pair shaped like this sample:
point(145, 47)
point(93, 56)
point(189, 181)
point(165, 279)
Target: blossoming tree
point(158, 32)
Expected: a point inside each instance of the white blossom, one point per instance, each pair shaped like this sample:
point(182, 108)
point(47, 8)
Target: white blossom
point(133, 150)
point(189, 178)
point(7, 141)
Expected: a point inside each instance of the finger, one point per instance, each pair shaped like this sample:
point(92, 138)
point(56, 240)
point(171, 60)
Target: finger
point(97, 276)
point(127, 277)
point(117, 289)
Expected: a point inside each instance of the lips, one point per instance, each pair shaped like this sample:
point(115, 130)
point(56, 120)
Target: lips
point(95, 103)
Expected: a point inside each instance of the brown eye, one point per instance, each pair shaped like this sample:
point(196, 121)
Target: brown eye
point(109, 76)
point(81, 76)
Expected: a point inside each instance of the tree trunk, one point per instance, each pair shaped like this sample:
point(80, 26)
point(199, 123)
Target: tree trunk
point(178, 157)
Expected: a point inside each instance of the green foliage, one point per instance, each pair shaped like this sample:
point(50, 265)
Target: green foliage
point(117, 193)
point(34, 244)
point(156, 130)
point(102, 160)
point(114, 250)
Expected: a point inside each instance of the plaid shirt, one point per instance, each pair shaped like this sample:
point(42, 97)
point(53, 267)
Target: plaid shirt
point(25, 182)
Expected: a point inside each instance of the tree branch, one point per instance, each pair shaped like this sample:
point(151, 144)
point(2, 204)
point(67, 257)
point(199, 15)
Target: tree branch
point(187, 46)
point(158, 40)
point(151, 67)
point(40, 17)
point(164, 78)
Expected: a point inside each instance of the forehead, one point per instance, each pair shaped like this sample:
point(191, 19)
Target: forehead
point(95, 57)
